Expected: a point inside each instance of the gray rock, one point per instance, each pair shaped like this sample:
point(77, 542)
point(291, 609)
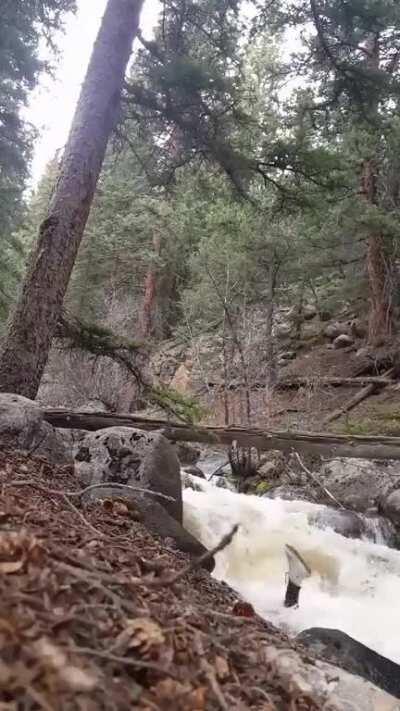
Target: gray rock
point(309, 312)
point(22, 427)
point(287, 355)
point(273, 466)
point(195, 471)
point(359, 484)
point(187, 454)
point(158, 521)
point(292, 493)
point(355, 525)
point(390, 506)
point(130, 456)
point(347, 523)
point(282, 330)
point(337, 647)
point(324, 686)
point(343, 341)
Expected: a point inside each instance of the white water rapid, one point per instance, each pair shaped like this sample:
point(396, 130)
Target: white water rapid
point(355, 584)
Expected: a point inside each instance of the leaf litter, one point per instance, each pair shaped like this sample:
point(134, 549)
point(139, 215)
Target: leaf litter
point(86, 623)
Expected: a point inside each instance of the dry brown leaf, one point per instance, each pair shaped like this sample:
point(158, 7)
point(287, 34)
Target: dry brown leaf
point(11, 566)
point(171, 690)
point(77, 679)
point(16, 548)
point(142, 633)
point(243, 609)
point(54, 659)
point(221, 668)
point(197, 699)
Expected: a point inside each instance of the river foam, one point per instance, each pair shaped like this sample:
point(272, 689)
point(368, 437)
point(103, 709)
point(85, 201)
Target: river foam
point(354, 586)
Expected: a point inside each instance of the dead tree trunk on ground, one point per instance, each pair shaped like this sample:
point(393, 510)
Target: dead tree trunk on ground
point(32, 326)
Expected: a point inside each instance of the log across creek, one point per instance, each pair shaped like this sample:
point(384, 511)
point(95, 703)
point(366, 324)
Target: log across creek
point(306, 443)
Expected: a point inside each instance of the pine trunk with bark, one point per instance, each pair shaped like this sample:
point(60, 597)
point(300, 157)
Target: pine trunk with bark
point(380, 327)
point(34, 321)
point(149, 304)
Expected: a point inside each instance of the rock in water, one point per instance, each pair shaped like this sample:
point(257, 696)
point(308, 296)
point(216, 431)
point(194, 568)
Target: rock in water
point(341, 649)
point(298, 572)
point(129, 456)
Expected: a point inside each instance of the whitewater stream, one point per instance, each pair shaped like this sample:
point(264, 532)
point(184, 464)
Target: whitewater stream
point(354, 586)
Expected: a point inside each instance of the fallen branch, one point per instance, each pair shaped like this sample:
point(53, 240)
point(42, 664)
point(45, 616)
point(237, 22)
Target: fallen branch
point(316, 480)
point(209, 672)
point(298, 382)
point(218, 469)
point(81, 492)
point(359, 397)
point(197, 562)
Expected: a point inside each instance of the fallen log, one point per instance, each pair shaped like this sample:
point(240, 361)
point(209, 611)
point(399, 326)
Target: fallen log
point(299, 382)
point(359, 397)
point(308, 443)
point(296, 382)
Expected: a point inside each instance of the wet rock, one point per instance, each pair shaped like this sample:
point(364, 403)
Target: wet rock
point(187, 454)
point(309, 312)
point(94, 406)
point(347, 523)
point(195, 471)
point(355, 525)
point(390, 506)
point(158, 521)
point(343, 341)
point(273, 466)
point(283, 330)
point(287, 355)
point(290, 492)
point(22, 427)
point(358, 484)
point(130, 456)
point(337, 647)
point(324, 686)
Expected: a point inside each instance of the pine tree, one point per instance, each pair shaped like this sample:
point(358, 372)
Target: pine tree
point(23, 24)
point(25, 350)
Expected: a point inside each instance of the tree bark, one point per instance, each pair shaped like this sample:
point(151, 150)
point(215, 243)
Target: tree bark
point(32, 326)
point(149, 304)
point(380, 327)
point(326, 444)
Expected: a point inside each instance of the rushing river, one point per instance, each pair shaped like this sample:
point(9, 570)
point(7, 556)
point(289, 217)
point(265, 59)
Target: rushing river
point(355, 584)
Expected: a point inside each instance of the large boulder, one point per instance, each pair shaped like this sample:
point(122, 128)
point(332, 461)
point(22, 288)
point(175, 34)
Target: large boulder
point(354, 525)
point(337, 647)
point(390, 507)
point(359, 484)
point(321, 685)
point(124, 455)
point(22, 426)
point(187, 454)
point(158, 521)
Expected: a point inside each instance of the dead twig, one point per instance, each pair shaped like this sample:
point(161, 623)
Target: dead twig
point(209, 672)
point(197, 562)
point(316, 480)
point(81, 492)
point(126, 661)
point(218, 469)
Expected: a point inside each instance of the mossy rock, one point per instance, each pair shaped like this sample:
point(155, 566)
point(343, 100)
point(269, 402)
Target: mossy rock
point(262, 488)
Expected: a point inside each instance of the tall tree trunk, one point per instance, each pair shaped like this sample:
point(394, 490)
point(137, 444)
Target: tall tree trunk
point(380, 327)
point(271, 373)
point(149, 304)
point(33, 323)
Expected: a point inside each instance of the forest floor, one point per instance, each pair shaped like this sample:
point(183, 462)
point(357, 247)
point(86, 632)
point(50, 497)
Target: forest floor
point(98, 614)
point(306, 408)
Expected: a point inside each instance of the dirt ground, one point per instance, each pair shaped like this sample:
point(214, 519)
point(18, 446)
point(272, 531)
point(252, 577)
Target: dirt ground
point(98, 615)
